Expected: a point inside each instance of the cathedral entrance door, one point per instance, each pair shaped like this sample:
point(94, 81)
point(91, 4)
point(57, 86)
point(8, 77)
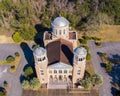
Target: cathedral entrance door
point(60, 77)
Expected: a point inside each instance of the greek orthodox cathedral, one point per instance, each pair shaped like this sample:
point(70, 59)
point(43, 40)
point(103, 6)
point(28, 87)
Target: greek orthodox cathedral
point(61, 62)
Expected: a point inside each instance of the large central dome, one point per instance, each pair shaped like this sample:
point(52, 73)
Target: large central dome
point(60, 22)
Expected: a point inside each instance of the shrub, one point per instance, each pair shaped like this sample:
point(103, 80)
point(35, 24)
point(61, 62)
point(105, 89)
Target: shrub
point(83, 41)
point(98, 43)
point(108, 67)
point(25, 84)
point(86, 37)
point(96, 79)
point(10, 59)
point(35, 46)
point(95, 38)
point(5, 83)
point(13, 67)
point(16, 37)
point(17, 54)
point(88, 56)
point(86, 83)
point(2, 92)
point(87, 48)
point(28, 71)
point(35, 84)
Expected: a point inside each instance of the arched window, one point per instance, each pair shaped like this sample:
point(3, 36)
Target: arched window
point(60, 32)
point(43, 58)
point(41, 72)
point(64, 31)
point(56, 31)
point(50, 71)
point(55, 71)
point(60, 71)
point(80, 59)
point(39, 59)
point(65, 71)
point(78, 71)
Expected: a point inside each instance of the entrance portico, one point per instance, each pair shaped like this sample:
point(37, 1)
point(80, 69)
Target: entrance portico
point(59, 72)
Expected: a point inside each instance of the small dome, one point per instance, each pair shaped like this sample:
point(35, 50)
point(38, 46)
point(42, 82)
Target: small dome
point(80, 51)
point(60, 22)
point(39, 51)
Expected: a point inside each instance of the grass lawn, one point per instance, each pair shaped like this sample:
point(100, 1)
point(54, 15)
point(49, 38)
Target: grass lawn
point(109, 33)
point(60, 92)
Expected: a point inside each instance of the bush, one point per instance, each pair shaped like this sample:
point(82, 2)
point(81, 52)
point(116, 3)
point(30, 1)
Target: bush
point(5, 83)
point(35, 46)
point(98, 43)
point(35, 84)
point(2, 92)
point(86, 83)
point(83, 41)
point(17, 54)
point(13, 67)
point(25, 84)
point(95, 38)
point(87, 48)
point(16, 37)
point(10, 59)
point(86, 37)
point(96, 79)
point(108, 67)
point(88, 56)
point(28, 71)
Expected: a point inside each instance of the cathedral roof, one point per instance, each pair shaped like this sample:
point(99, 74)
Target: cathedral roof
point(60, 22)
point(60, 51)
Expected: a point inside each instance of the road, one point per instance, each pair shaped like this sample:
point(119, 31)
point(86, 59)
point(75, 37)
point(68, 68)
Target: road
point(15, 88)
point(111, 49)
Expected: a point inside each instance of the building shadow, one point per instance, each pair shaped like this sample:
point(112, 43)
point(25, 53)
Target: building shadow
point(28, 53)
point(68, 53)
point(40, 32)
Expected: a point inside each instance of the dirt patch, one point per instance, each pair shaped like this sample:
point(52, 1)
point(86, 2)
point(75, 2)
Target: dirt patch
point(4, 39)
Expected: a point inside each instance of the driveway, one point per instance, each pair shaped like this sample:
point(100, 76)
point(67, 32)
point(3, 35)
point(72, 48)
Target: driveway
point(13, 79)
point(111, 49)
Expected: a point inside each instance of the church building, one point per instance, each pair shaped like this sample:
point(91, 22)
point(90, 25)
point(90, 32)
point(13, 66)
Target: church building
point(61, 62)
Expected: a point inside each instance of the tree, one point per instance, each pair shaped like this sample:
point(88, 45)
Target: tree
point(86, 83)
point(96, 79)
point(10, 59)
point(88, 56)
point(25, 84)
point(16, 37)
point(28, 71)
point(17, 54)
point(35, 84)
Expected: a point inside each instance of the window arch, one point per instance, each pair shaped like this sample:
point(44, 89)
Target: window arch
point(55, 71)
point(78, 71)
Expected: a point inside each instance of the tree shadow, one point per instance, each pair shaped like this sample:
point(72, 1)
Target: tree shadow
point(115, 73)
point(40, 33)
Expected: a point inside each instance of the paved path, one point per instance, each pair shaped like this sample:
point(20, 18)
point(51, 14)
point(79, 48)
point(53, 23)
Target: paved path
point(110, 49)
point(12, 79)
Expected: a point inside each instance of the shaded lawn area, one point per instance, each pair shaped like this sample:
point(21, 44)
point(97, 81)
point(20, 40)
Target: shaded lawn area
point(60, 92)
